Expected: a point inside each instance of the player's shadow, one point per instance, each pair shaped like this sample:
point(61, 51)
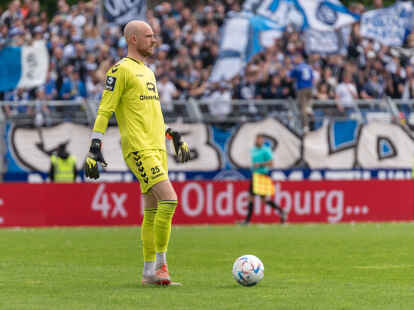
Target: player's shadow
point(135, 286)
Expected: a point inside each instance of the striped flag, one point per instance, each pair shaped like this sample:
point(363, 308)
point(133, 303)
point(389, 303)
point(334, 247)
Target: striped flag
point(23, 67)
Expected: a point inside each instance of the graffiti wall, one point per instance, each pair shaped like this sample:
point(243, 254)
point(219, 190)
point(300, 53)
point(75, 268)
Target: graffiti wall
point(344, 146)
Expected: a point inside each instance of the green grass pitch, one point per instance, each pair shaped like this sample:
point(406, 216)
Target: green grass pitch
point(345, 266)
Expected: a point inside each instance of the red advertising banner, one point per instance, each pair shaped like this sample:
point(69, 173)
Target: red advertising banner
point(205, 202)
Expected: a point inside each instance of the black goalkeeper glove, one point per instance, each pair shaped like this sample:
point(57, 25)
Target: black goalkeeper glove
point(182, 152)
point(94, 157)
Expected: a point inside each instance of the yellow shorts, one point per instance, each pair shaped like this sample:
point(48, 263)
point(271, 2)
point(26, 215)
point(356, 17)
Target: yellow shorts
point(262, 185)
point(149, 166)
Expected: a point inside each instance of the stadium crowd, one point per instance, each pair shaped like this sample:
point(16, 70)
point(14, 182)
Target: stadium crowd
point(82, 47)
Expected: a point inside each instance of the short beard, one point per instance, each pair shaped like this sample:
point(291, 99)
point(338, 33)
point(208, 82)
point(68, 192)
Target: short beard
point(145, 53)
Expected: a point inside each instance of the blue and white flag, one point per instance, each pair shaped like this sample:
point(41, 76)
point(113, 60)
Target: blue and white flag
point(322, 15)
point(23, 67)
point(121, 12)
point(327, 42)
point(388, 26)
point(263, 21)
point(242, 37)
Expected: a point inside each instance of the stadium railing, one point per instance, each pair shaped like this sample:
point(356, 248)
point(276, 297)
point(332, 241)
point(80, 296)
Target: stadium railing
point(207, 111)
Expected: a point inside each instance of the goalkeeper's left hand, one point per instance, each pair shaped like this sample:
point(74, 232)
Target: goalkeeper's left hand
point(180, 147)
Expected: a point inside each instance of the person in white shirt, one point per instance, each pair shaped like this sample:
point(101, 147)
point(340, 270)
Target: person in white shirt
point(346, 93)
point(167, 92)
point(220, 100)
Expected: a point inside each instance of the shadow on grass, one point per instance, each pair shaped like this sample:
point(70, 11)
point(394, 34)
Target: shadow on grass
point(139, 286)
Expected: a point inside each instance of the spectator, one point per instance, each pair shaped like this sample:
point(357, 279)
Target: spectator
point(378, 4)
point(373, 89)
point(409, 85)
point(399, 79)
point(346, 94)
point(167, 92)
point(302, 73)
point(42, 111)
point(220, 100)
point(94, 87)
point(73, 88)
point(323, 91)
point(50, 88)
point(12, 14)
point(248, 86)
point(189, 49)
point(275, 89)
point(78, 60)
point(19, 96)
point(329, 79)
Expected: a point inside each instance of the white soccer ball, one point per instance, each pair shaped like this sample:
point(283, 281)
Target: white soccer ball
point(248, 270)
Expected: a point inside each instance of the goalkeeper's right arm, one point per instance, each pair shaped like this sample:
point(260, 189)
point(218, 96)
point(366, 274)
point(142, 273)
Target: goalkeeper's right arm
point(95, 151)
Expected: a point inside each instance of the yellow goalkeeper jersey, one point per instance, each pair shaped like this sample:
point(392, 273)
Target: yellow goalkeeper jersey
point(131, 92)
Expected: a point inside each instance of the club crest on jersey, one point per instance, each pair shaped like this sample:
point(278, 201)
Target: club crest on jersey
point(110, 83)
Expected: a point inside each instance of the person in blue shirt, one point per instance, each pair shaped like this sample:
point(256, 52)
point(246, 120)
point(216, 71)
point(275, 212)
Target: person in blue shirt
point(302, 73)
point(50, 87)
point(73, 88)
point(262, 160)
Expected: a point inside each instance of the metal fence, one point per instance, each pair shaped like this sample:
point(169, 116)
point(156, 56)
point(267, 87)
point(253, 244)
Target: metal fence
point(45, 113)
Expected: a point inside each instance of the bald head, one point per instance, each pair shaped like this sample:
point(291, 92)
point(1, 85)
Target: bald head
point(140, 39)
point(135, 28)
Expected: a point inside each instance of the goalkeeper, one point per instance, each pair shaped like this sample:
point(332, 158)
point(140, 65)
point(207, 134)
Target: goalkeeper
point(130, 91)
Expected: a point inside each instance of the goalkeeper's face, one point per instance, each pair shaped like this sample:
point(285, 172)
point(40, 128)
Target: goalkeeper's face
point(146, 42)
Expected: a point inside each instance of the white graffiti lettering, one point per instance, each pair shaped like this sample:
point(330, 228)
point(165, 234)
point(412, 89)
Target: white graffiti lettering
point(376, 145)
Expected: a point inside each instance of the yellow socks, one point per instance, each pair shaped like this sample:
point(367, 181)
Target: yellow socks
point(162, 224)
point(147, 235)
point(156, 231)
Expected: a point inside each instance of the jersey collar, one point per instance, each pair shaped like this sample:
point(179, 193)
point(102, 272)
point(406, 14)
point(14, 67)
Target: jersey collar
point(137, 61)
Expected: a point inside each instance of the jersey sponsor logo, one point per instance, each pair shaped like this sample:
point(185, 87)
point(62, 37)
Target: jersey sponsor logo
point(145, 97)
point(110, 83)
point(151, 86)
